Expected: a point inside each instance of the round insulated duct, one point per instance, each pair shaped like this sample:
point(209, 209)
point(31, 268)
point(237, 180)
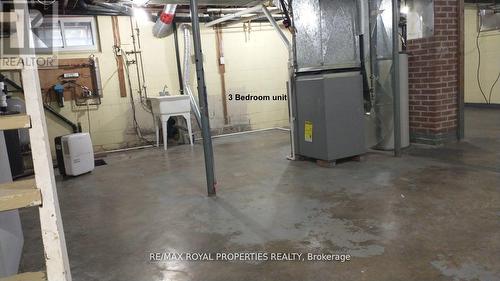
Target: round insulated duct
point(163, 26)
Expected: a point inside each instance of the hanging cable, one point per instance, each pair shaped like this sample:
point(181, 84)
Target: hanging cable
point(46, 2)
point(478, 72)
point(492, 87)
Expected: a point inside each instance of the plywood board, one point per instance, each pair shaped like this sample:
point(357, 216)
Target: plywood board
point(10, 122)
point(28, 276)
point(19, 194)
point(51, 76)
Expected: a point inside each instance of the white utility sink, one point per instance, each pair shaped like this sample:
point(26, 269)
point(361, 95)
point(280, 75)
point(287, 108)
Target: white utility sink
point(170, 105)
point(165, 107)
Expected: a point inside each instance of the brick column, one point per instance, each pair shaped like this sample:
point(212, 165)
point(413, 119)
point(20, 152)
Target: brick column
point(434, 78)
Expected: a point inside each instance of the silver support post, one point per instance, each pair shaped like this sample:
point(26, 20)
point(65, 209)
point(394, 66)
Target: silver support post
point(202, 96)
point(290, 83)
point(395, 78)
point(277, 28)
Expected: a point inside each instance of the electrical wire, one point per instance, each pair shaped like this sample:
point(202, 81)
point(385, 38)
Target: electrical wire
point(46, 3)
point(478, 72)
point(492, 87)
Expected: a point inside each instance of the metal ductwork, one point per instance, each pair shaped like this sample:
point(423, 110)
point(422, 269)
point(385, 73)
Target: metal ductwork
point(163, 26)
point(115, 7)
point(102, 8)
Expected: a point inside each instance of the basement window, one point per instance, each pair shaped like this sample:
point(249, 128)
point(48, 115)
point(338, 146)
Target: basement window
point(66, 34)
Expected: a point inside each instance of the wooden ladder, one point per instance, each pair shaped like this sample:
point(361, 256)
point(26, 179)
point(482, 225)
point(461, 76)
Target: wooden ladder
point(40, 191)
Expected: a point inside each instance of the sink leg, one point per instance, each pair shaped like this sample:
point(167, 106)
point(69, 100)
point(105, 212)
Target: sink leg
point(187, 116)
point(157, 129)
point(165, 137)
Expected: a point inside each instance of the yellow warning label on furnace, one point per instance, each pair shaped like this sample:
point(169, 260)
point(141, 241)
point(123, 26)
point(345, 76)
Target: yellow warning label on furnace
point(308, 131)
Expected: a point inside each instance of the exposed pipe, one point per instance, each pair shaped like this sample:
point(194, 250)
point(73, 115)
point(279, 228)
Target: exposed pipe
point(366, 87)
point(125, 149)
point(75, 127)
point(178, 59)
point(163, 26)
point(361, 17)
point(187, 73)
point(197, 139)
point(202, 94)
point(116, 7)
point(290, 84)
point(395, 78)
point(140, 84)
point(248, 132)
point(87, 7)
point(96, 75)
point(255, 9)
point(231, 10)
point(124, 10)
point(277, 28)
point(10, 82)
point(255, 18)
point(141, 60)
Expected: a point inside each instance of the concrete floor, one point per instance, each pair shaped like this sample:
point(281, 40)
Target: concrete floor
point(433, 214)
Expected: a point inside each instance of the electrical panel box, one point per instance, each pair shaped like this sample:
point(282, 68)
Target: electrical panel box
point(329, 116)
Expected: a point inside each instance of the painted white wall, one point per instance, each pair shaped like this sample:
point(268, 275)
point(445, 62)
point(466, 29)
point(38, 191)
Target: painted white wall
point(489, 43)
point(256, 63)
point(111, 123)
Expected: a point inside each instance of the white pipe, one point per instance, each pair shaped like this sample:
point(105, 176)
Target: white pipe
point(214, 137)
point(247, 132)
point(252, 18)
point(277, 28)
point(186, 28)
point(257, 8)
point(361, 16)
point(290, 84)
point(232, 10)
point(125, 149)
point(97, 73)
point(224, 10)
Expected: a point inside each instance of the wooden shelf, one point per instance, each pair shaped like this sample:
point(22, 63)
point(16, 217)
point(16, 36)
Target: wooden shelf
point(19, 194)
point(8, 17)
point(28, 276)
point(11, 122)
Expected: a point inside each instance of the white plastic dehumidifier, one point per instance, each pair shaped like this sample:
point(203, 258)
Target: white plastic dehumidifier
point(75, 155)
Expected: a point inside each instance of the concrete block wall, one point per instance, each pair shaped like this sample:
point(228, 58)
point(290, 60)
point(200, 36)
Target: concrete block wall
point(256, 63)
point(434, 78)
